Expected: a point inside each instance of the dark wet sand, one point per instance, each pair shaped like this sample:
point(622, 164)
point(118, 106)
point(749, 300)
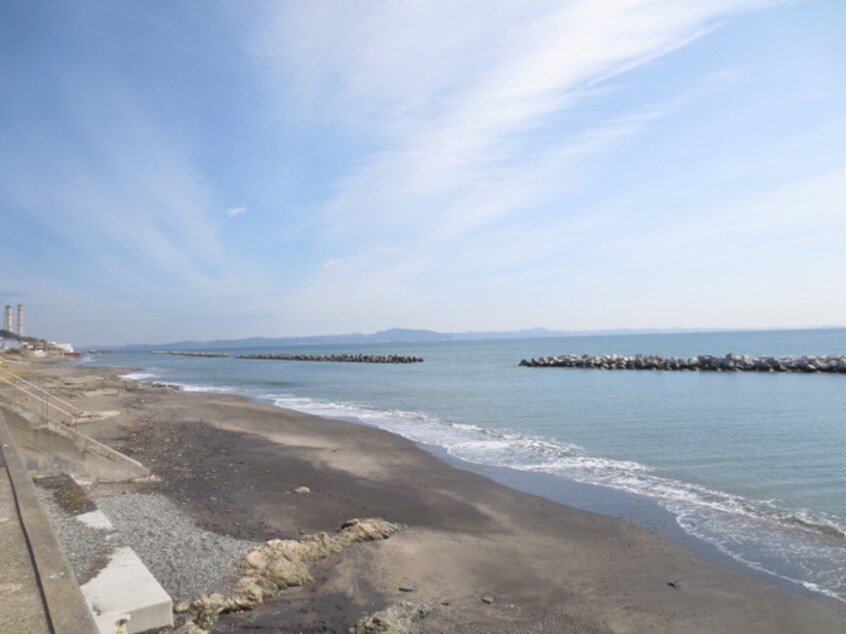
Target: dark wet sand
point(233, 465)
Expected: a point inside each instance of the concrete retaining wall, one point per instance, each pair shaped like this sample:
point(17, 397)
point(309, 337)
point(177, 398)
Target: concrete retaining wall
point(49, 449)
point(65, 608)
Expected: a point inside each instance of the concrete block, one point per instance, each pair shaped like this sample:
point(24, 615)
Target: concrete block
point(125, 589)
point(96, 519)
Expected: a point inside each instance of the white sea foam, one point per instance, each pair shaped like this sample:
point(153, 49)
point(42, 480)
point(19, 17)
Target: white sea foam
point(805, 547)
point(212, 389)
point(138, 376)
point(185, 387)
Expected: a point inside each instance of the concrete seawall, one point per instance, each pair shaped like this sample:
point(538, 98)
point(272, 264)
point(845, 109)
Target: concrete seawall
point(40, 593)
point(732, 362)
point(48, 448)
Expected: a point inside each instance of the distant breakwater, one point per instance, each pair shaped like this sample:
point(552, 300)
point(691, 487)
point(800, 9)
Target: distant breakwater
point(282, 356)
point(343, 358)
point(192, 353)
point(732, 362)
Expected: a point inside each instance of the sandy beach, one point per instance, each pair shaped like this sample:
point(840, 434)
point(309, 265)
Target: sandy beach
point(483, 557)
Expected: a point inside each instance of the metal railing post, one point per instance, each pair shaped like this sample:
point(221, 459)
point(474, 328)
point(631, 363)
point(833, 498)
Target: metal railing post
point(38, 394)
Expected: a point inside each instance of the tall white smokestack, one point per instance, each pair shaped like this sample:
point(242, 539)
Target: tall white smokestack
point(8, 325)
point(20, 320)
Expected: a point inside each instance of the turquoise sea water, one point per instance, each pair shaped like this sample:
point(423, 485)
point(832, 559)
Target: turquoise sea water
point(753, 464)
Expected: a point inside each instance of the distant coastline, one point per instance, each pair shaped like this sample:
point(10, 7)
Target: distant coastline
point(410, 335)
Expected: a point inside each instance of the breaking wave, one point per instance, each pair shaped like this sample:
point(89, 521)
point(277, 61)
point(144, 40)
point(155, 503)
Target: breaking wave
point(799, 545)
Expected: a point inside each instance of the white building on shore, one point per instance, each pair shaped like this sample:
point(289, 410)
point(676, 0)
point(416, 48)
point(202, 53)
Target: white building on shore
point(7, 343)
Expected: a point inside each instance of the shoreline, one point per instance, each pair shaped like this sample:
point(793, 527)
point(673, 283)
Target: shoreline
point(636, 509)
point(640, 510)
point(468, 533)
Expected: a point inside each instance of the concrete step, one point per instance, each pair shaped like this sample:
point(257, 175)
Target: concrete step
point(123, 595)
point(35, 577)
point(125, 591)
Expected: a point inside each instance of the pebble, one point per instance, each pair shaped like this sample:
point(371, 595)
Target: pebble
point(185, 559)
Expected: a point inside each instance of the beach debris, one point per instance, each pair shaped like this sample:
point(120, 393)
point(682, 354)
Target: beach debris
point(399, 618)
point(90, 417)
point(68, 494)
point(487, 599)
point(405, 589)
point(283, 563)
point(302, 490)
point(100, 391)
point(189, 627)
point(673, 585)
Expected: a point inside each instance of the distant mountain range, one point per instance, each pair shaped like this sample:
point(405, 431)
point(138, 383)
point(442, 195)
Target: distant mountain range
point(393, 335)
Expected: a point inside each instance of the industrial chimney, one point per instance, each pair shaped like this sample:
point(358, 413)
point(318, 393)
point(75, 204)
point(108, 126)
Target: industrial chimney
point(20, 320)
point(8, 325)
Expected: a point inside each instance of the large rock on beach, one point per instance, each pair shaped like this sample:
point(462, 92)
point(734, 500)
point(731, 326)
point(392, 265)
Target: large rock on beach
point(189, 627)
point(397, 619)
point(283, 563)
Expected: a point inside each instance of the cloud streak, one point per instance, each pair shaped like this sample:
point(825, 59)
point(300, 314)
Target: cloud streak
point(483, 122)
point(464, 125)
point(231, 213)
point(235, 211)
point(433, 164)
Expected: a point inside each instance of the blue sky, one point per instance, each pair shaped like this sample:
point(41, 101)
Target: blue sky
point(202, 170)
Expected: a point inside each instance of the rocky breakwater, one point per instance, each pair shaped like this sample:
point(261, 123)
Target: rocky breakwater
point(192, 353)
point(732, 362)
point(343, 358)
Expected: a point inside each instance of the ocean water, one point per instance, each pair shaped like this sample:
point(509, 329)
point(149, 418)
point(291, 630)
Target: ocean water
point(752, 464)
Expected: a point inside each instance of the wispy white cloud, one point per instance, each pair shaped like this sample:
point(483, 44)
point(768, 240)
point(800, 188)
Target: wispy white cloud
point(235, 211)
point(133, 185)
point(231, 213)
point(456, 154)
point(334, 262)
point(467, 108)
point(776, 217)
point(450, 93)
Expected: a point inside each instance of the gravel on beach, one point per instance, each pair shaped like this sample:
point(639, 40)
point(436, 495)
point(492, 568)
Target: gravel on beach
point(185, 559)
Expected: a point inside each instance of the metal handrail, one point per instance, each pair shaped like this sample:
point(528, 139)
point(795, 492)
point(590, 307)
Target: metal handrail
point(38, 388)
point(69, 410)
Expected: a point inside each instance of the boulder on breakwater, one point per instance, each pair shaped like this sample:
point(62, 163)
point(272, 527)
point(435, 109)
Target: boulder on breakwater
point(343, 358)
point(732, 362)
